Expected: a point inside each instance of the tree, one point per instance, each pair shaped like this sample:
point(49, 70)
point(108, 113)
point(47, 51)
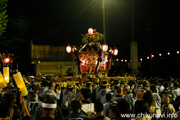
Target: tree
point(3, 16)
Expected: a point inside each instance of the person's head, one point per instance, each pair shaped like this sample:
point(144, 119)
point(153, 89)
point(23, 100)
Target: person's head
point(159, 82)
point(146, 83)
point(36, 88)
point(166, 85)
point(48, 95)
point(113, 111)
point(45, 83)
point(166, 96)
point(76, 105)
point(105, 84)
point(52, 85)
point(85, 93)
point(148, 97)
point(10, 98)
point(153, 88)
point(58, 86)
point(119, 90)
point(126, 89)
point(49, 109)
point(88, 85)
point(123, 106)
point(140, 93)
point(141, 108)
point(6, 110)
point(98, 107)
point(32, 95)
point(109, 96)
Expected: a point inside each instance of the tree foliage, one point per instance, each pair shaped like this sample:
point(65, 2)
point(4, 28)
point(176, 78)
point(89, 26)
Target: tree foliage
point(3, 16)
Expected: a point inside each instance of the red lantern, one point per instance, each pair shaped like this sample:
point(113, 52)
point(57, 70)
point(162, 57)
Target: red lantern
point(105, 47)
point(6, 60)
point(68, 49)
point(115, 51)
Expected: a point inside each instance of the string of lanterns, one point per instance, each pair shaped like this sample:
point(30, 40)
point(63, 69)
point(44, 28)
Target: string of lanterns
point(151, 56)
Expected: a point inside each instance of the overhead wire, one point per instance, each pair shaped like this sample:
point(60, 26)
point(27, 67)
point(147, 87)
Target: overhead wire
point(74, 17)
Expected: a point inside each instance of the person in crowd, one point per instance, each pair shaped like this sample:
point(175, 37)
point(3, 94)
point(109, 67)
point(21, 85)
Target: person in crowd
point(87, 105)
point(149, 98)
point(120, 93)
point(129, 96)
point(146, 84)
point(166, 88)
point(55, 93)
point(6, 110)
point(160, 85)
point(113, 112)
point(123, 107)
point(64, 99)
point(43, 89)
point(32, 103)
point(71, 95)
point(48, 96)
point(141, 110)
point(175, 91)
point(167, 107)
point(76, 105)
point(103, 91)
point(157, 99)
point(109, 101)
point(98, 108)
point(11, 99)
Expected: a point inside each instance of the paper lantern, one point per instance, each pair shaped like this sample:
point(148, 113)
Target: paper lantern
point(6, 74)
point(105, 47)
point(68, 49)
point(115, 51)
point(2, 82)
point(20, 84)
point(6, 60)
point(90, 31)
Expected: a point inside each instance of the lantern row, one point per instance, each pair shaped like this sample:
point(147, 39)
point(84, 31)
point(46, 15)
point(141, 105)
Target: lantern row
point(70, 49)
point(148, 57)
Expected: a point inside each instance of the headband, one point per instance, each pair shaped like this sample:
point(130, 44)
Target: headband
point(49, 105)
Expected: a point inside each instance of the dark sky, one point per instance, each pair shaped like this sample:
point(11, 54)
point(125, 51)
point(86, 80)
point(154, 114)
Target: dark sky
point(62, 22)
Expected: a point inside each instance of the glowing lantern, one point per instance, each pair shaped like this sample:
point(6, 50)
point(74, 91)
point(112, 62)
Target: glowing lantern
point(68, 49)
point(152, 55)
point(168, 53)
point(115, 51)
point(20, 84)
point(141, 59)
point(6, 74)
point(2, 82)
point(105, 47)
point(177, 52)
point(7, 60)
point(90, 31)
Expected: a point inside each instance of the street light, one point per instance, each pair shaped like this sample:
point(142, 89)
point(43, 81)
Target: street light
point(73, 49)
point(177, 52)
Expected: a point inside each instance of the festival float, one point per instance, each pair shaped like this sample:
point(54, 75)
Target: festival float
point(93, 57)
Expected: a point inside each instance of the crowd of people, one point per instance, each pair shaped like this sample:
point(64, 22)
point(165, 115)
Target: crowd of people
point(93, 99)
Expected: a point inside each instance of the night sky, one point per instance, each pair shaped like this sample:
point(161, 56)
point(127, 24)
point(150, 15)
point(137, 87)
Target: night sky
point(62, 22)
